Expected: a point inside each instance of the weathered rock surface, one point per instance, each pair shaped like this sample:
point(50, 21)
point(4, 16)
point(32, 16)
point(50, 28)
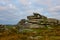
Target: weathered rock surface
point(38, 21)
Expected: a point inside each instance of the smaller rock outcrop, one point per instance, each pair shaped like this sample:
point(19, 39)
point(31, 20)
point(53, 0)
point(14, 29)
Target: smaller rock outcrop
point(2, 28)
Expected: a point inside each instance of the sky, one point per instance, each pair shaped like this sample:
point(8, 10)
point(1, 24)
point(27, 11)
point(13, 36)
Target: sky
point(12, 11)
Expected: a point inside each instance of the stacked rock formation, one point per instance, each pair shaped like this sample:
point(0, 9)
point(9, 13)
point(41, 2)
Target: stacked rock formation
point(38, 21)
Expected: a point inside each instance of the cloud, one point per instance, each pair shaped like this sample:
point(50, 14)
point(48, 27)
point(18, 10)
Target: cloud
point(2, 8)
point(9, 6)
point(5, 0)
point(7, 12)
point(14, 10)
point(44, 2)
point(55, 11)
point(25, 2)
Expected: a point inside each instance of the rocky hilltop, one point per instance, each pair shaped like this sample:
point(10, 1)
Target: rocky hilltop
point(38, 21)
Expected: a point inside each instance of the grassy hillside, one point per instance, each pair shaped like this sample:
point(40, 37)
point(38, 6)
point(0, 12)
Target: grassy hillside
point(32, 34)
